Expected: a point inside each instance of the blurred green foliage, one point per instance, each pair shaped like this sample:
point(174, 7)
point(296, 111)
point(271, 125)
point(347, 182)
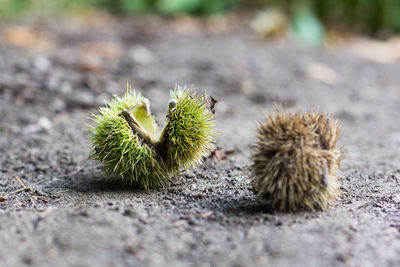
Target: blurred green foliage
point(13, 8)
point(168, 7)
point(365, 16)
point(306, 27)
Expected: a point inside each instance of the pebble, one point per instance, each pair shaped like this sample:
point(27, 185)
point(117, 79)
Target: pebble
point(141, 54)
point(42, 63)
point(44, 123)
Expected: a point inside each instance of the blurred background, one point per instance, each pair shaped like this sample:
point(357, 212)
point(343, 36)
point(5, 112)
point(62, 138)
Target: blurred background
point(311, 20)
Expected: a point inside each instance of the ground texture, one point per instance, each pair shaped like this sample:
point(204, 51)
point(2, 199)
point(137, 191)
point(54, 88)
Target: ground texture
point(70, 215)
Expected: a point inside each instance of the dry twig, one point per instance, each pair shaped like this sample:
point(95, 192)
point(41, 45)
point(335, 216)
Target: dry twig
point(70, 174)
point(29, 190)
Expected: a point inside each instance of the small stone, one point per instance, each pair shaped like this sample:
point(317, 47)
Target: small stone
point(31, 129)
point(44, 123)
point(181, 223)
point(141, 54)
point(391, 231)
point(42, 63)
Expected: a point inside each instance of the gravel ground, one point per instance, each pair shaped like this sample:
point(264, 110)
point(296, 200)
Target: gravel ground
point(71, 215)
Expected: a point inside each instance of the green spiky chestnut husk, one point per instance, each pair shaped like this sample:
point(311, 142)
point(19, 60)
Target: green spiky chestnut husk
point(129, 143)
point(295, 161)
point(190, 130)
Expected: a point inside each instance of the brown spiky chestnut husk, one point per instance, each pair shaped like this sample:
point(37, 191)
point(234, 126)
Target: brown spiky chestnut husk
point(295, 160)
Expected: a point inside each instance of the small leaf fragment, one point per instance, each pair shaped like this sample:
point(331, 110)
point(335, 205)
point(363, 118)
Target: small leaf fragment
point(207, 214)
point(210, 102)
point(219, 154)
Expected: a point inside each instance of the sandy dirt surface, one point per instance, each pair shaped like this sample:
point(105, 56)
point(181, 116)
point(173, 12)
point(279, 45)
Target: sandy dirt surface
point(70, 215)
